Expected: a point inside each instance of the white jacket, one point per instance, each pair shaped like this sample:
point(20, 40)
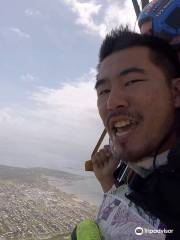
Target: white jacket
point(120, 219)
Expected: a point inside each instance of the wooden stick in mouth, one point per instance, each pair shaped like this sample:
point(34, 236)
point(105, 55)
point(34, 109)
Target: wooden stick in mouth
point(88, 164)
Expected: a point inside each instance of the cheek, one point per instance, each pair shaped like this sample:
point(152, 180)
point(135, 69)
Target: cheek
point(102, 110)
point(157, 111)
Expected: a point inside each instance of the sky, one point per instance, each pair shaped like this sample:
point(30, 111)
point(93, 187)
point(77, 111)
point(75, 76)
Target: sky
point(48, 57)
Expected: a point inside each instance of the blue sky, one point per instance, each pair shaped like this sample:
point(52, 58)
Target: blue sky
point(48, 56)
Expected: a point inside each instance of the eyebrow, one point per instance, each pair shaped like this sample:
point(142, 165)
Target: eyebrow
point(121, 74)
point(131, 70)
point(99, 83)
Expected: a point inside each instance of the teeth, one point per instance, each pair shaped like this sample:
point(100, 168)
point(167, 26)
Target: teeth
point(120, 134)
point(122, 123)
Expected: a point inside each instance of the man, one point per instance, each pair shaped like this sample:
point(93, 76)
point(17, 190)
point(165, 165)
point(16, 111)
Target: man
point(138, 91)
point(158, 18)
point(161, 18)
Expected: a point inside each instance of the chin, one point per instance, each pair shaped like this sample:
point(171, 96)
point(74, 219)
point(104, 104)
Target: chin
point(132, 155)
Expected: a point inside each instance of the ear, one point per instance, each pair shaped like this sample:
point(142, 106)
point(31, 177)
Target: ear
point(176, 91)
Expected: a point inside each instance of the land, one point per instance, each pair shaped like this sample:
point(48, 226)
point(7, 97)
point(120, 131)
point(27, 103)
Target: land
point(33, 209)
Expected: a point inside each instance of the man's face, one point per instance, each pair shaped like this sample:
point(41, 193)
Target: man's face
point(146, 28)
point(135, 102)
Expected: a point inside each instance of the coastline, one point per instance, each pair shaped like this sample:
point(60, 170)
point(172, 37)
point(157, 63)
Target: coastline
point(82, 189)
point(37, 210)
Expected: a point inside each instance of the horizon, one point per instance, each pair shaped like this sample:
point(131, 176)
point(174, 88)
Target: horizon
point(49, 52)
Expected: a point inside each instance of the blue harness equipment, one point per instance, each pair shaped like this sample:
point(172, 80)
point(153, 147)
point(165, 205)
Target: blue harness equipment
point(165, 17)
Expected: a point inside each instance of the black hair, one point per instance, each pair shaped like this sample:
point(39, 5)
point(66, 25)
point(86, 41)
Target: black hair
point(162, 53)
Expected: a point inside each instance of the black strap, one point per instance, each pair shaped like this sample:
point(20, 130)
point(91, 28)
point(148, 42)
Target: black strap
point(73, 234)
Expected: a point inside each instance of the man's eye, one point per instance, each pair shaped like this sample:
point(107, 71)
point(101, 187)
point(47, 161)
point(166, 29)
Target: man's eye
point(132, 82)
point(104, 92)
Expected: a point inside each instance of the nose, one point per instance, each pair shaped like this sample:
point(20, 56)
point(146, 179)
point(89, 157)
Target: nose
point(117, 99)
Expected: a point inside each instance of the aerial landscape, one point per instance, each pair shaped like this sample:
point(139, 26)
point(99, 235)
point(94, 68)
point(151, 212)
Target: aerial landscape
point(48, 112)
point(31, 207)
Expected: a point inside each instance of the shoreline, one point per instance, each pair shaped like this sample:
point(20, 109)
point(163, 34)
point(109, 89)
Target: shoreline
point(78, 190)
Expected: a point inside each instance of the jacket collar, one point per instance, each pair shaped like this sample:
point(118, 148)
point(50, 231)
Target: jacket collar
point(144, 167)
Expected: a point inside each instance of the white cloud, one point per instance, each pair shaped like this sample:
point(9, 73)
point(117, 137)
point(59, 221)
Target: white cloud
point(29, 78)
point(85, 12)
point(111, 13)
point(80, 89)
point(116, 14)
point(59, 131)
point(9, 117)
point(19, 32)
point(32, 12)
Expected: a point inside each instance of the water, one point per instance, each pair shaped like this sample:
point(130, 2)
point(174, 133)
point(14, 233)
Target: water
point(87, 189)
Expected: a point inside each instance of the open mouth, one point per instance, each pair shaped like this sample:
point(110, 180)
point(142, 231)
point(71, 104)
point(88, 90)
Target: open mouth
point(121, 128)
